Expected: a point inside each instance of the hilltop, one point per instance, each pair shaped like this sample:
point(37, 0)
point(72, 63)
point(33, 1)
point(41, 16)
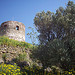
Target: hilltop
point(12, 51)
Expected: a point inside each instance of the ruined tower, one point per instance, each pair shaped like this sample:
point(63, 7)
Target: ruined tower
point(13, 29)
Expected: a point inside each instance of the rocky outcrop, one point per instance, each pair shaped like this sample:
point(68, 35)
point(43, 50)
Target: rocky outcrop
point(1, 59)
point(9, 53)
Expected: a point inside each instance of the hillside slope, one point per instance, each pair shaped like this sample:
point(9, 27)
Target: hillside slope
point(12, 51)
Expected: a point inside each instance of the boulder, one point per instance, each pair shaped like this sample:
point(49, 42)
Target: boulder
point(1, 60)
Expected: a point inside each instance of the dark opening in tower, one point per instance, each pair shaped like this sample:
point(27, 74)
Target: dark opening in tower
point(17, 27)
point(5, 26)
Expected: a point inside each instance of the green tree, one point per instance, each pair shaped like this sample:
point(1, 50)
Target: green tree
point(43, 23)
point(57, 35)
point(59, 25)
point(70, 19)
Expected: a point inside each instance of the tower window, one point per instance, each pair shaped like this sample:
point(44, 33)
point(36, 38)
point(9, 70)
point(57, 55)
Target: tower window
point(17, 27)
point(5, 26)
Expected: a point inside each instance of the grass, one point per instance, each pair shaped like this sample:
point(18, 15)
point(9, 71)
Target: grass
point(10, 42)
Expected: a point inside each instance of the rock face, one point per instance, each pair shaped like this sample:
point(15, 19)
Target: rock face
point(13, 29)
point(1, 60)
point(9, 53)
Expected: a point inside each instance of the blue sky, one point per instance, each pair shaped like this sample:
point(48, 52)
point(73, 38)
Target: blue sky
point(25, 10)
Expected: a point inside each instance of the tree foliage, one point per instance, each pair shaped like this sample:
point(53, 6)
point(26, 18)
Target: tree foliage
point(57, 36)
point(56, 26)
point(57, 52)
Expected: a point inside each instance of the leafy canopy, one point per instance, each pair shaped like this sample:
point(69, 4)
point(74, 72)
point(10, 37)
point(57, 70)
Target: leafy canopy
point(59, 25)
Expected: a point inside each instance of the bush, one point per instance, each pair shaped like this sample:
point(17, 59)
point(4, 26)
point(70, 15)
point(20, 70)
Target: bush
point(9, 69)
point(32, 70)
point(21, 57)
point(36, 70)
point(4, 57)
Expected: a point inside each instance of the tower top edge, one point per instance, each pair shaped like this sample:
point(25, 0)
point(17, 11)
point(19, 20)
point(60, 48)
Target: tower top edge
point(13, 22)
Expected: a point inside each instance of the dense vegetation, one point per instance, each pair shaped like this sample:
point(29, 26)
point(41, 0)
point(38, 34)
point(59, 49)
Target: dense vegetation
point(10, 42)
point(57, 52)
point(8, 69)
point(57, 37)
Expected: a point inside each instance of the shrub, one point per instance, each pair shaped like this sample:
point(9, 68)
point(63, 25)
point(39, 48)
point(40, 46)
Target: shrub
point(9, 69)
point(36, 70)
point(4, 57)
point(21, 57)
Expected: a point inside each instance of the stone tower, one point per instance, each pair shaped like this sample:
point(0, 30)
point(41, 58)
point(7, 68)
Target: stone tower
point(13, 29)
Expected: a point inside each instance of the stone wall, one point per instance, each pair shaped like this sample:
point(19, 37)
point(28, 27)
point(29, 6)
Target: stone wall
point(13, 29)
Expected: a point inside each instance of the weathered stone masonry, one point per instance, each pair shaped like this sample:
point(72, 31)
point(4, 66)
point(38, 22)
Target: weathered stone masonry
point(13, 29)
